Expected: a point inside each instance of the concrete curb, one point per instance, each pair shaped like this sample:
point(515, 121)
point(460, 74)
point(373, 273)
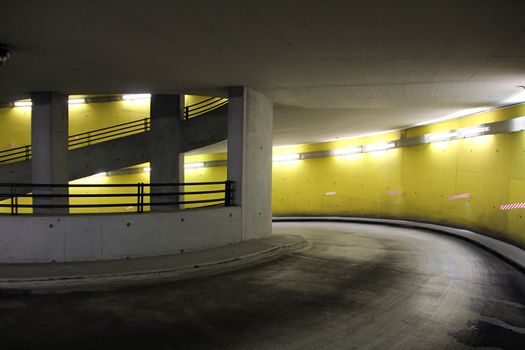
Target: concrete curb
point(103, 281)
point(511, 254)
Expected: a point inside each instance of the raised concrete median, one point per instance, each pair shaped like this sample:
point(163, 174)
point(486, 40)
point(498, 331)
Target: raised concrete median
point(63, 277)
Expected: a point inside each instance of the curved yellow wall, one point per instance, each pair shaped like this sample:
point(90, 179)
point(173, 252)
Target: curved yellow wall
point(417, 182)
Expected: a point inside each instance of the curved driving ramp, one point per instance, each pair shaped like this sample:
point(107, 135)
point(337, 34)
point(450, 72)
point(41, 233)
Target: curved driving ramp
point(356, 286)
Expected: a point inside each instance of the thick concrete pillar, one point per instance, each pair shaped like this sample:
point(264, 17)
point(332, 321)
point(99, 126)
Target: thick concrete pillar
point(49, 131)
point(250, 120)
point(166, 162)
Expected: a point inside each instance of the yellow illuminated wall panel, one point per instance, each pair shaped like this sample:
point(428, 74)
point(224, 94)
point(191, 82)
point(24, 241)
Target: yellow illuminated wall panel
point(15, 127)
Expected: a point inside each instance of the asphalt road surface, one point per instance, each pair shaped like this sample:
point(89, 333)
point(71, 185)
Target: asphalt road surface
point(355, 287)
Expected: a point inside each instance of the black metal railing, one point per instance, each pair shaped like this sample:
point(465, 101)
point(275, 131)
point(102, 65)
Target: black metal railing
point(82, 139)
point(112, 132)
point(15, 154)
point(24, 198)
point(204, 106)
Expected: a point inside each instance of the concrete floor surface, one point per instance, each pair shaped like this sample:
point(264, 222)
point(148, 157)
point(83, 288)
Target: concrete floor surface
point(356, 286)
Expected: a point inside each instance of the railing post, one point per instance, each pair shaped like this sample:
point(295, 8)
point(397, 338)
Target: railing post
point(227, 193)
point(27, 151)
point(16, 200)
point(12, 191)
point(186, 112)
point(138, 197)
point(141, 197)
point(145, 124)
point(89, 138)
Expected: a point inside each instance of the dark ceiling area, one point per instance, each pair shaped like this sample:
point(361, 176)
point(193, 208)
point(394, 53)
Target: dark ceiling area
point(332, 68)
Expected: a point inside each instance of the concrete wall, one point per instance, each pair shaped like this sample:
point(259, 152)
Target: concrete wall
point(250, 121)
point(27, 239)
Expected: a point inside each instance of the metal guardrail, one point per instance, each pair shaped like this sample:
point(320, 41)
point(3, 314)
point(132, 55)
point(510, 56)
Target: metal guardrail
point(15, 154)
point(204, 106)
point(110, 132)
point(141, 193)
point(114, 131)
point(82, 139)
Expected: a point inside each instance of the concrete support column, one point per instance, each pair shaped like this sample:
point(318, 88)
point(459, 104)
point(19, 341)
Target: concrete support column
point(250, 120)
point(49, 132)
point(166, 162)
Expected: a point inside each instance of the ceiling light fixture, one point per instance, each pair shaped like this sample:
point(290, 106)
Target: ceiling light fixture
point(379, 147)
point(286, 157)
point(76, 101)
point(440, 136)
point(517, 124)
point(194, 165)
point(136, 97)
point(23, 104)
point(345, 151)
point(472, 131)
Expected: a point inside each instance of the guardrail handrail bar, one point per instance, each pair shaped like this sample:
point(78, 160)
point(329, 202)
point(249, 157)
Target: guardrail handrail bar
point(13, 195)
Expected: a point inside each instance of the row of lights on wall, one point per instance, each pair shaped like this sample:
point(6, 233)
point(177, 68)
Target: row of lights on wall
point(376, 147)
point(79, 100)
point(340, 151)
point(457, 134)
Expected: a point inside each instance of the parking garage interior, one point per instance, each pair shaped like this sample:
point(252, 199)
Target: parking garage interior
point(262, 175)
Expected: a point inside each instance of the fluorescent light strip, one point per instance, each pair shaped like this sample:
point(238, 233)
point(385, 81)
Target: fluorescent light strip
point(346, 151)
point(71, 101)
point(76, 101)
point(440, 136)
point(518, 124)
point(456, 134)
point(136, 97)
point(472, 131)
point(147, 169)
point(286, 157)
point(23, 104)
point(378, 147)
point(194, 165)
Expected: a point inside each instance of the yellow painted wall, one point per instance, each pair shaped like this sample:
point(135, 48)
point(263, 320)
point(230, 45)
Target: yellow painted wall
point(206, 174)
point(92, 116)
point(412, 182)
point(15, 127)
point(193, 99)
point(132, 179)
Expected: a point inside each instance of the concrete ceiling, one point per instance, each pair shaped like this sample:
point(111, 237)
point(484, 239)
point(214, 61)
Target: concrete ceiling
point(332, 68)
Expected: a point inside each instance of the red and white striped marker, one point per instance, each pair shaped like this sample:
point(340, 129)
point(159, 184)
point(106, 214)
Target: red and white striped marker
point(459, 196)
point(512, 206)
